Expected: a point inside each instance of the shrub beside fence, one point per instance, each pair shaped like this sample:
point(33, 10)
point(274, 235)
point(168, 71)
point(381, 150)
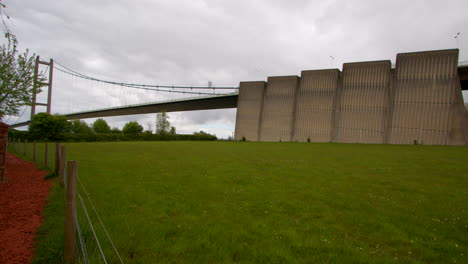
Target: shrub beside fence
point(113, 137)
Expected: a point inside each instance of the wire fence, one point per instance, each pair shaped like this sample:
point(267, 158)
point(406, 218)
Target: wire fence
point(40, 152)
point(94, 244)
point(90, 239)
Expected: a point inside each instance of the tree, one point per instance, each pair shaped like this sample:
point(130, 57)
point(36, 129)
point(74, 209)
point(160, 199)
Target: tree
point(115, 130)
point(48, 127)
point(132, 128)
point(162, 123)
point(16, 74)
point(101, 126)
point(172, 131)
point(80, 127)
point(203, 134)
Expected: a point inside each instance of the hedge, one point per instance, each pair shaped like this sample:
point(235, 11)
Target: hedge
point(112, 137)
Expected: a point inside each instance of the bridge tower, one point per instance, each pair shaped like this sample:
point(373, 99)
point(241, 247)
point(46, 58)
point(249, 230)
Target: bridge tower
point(38, 83)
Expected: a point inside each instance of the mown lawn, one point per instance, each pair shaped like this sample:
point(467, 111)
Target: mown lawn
point(245, 202)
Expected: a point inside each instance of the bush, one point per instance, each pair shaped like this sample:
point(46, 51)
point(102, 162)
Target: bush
point(47, 127)
point(112, 137)
point(132, 128)
point(18, 134)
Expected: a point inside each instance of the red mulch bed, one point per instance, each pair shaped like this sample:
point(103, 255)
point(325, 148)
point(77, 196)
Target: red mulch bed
point(22, 198)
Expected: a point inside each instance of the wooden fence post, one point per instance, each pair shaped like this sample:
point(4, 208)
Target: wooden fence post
point(61, 169)
point(25, 147)
point(46, 154)
point(34, 151)
point(57, 158)
point(70, 213)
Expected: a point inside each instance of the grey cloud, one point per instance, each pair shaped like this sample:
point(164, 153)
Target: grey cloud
point(192, 42)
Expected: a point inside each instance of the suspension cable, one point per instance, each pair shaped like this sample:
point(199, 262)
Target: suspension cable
point(142, 87)
point(80, 75)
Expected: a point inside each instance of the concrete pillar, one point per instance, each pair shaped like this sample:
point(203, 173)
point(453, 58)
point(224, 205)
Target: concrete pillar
point(364, 104)
point(249, 109)
point(314, 105)
point(278, 108)
point(427, 95)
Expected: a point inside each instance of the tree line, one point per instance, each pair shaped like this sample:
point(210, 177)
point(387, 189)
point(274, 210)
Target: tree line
point(56, 128)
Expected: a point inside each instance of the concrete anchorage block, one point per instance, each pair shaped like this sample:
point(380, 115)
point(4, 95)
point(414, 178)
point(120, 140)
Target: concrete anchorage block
point(420, 101)
point(427, 99)
point(249, 110)
point(363, 111)
point(278, 108)
point(315, 105)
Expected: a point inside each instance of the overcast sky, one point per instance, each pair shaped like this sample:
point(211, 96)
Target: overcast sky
point(191, 42)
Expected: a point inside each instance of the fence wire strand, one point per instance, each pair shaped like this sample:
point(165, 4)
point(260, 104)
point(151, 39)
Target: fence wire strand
point(92, 228)
point(83, 249)
point(100, 221)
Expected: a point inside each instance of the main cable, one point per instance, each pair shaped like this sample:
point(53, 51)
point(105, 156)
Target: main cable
point(141, 87)
point(67, 70)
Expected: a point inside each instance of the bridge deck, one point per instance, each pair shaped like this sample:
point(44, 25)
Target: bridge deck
point(191, 104)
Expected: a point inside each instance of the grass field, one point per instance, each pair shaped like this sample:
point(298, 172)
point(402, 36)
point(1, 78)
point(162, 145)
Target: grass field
point(228, 202)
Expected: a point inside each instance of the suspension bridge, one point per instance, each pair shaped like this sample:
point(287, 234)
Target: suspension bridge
point(77, 96)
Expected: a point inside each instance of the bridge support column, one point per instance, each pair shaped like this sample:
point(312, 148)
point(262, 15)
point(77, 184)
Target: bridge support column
point(37, 83)
point(249, 110)
point(278, 109)
point(315, 102)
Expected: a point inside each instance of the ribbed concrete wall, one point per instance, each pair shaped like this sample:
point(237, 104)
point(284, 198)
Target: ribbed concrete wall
point(278, 108)
point(418, 101)
point(249, 109)
point(425, 105)
point(363, 109)
point(314, 105)
point(459, 129)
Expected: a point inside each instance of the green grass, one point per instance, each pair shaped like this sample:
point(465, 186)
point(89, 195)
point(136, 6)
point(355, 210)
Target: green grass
point(227, 202)
point(25, 151)
point(50, 236)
